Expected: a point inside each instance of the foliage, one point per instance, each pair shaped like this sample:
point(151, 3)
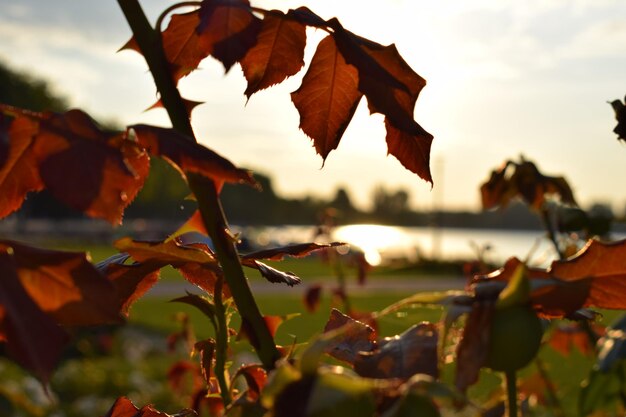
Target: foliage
point(47, 295)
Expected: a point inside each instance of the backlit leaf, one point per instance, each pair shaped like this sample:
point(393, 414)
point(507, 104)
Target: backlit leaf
point(206, 348)
point(227, 29)
point(187, 155)
point(297, 250)
point(65, 285)
point(412, 150)
point(32, 338)
point(272, 274)
point(168, 252)
point(123, 407)
point(90, 169)
point(327, 98)
point(402, 356)
point(278, 53)
point(358, 337)
point(181, 44)
point(255, 377)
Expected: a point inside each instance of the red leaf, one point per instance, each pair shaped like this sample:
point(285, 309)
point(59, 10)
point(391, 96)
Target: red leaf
point(278, 53)
point(65, 285)
point(182, 44)
point(413, 151)
point(123, 407)
point(358, 337)
point(402, 356)
point(131, 281)
point(312, 298)
point(186, 155)
point(17, 173)
point(206, 348)
point(255, 377)
point(328, 97)
point(298, 250)
point(227, 29)
point(32, 338)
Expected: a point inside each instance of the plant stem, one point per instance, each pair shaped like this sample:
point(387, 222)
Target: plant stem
point(511, 394)
point(547, 223)
point(221, 336)
point(150, 44)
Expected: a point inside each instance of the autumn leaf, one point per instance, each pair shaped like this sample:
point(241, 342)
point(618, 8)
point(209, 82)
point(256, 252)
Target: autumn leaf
point(65, 285)
point(123, 407)
point(273, 275)
point(255, 377)
point(620, 115)
point(33, 339)
point(90, 169)
point(181, 44)
point(358, 337)
point(206, 349)
point(278, 53)
point(131, 281)
point(186, 155)
point(328, 97)
point(402, 356)
point(297, 250)
point(227, 29)
point(307, 17)
point(412, 150)
point(525, 181)
point(312, 297)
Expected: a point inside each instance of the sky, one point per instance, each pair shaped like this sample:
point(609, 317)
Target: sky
point(504, 78)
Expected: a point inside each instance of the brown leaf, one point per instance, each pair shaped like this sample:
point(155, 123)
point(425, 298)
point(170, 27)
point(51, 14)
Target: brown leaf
point(131, 281)
point(255, 377)
point(206, 348)
point(272, 274)
point(358, 337)
point(402, 356)
point(18, 173)
point(312, 298)
point(298, 250)
point(327, 98)
point(471, 353)
point(204, 276)
point(305, 16)
point(168, 252)
point(65, 285)
point(181, 44)
point(186, 155)
point(278, 53)
point(89, 169)
point(227, 29)
point(32, 338)
point(412, 150)
point(123, 407)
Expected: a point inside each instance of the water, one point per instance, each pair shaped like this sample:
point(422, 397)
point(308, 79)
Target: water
point(385, 243)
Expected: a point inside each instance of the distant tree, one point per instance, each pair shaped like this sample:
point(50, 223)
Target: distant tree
point(26, 91)
point(342, 202)
point(388, 204)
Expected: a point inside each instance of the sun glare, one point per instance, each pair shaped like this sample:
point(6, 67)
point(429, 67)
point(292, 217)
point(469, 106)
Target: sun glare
point(376, 241)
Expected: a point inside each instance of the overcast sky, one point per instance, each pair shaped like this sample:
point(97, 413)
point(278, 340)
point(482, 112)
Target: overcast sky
point(504, 78)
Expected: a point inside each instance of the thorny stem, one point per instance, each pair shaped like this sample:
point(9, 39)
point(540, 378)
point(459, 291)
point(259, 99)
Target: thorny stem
point(511, 394)
point(205, 190)
point(221, 336)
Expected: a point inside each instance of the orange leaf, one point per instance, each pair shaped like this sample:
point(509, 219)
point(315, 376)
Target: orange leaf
point(168, 252)
point(328, 97)
point(255, 377)
point(18, 175)
point(32, 338)
point(186, 155)
point(65, 285)
point(227, 29)
point(278, 53)
point(182, 44)
point(123, 407)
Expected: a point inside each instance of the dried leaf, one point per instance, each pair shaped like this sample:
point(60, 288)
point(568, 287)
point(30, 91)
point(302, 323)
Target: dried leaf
point(297, 250)
point(227, 30)
point(327, 98)
point(278, 53)
point(186, 155)
point(358, 337)
point(412, 352)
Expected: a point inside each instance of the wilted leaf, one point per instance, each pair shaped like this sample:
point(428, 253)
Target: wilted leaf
point(620, 115)
point(412, 352)
point(358, 337)
point(327, 98)
point(297, 250)
point(187, 155)
point(227, 29)
point(278, 53)
point(32, 338)
point(272, 274)
point(525, 181)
